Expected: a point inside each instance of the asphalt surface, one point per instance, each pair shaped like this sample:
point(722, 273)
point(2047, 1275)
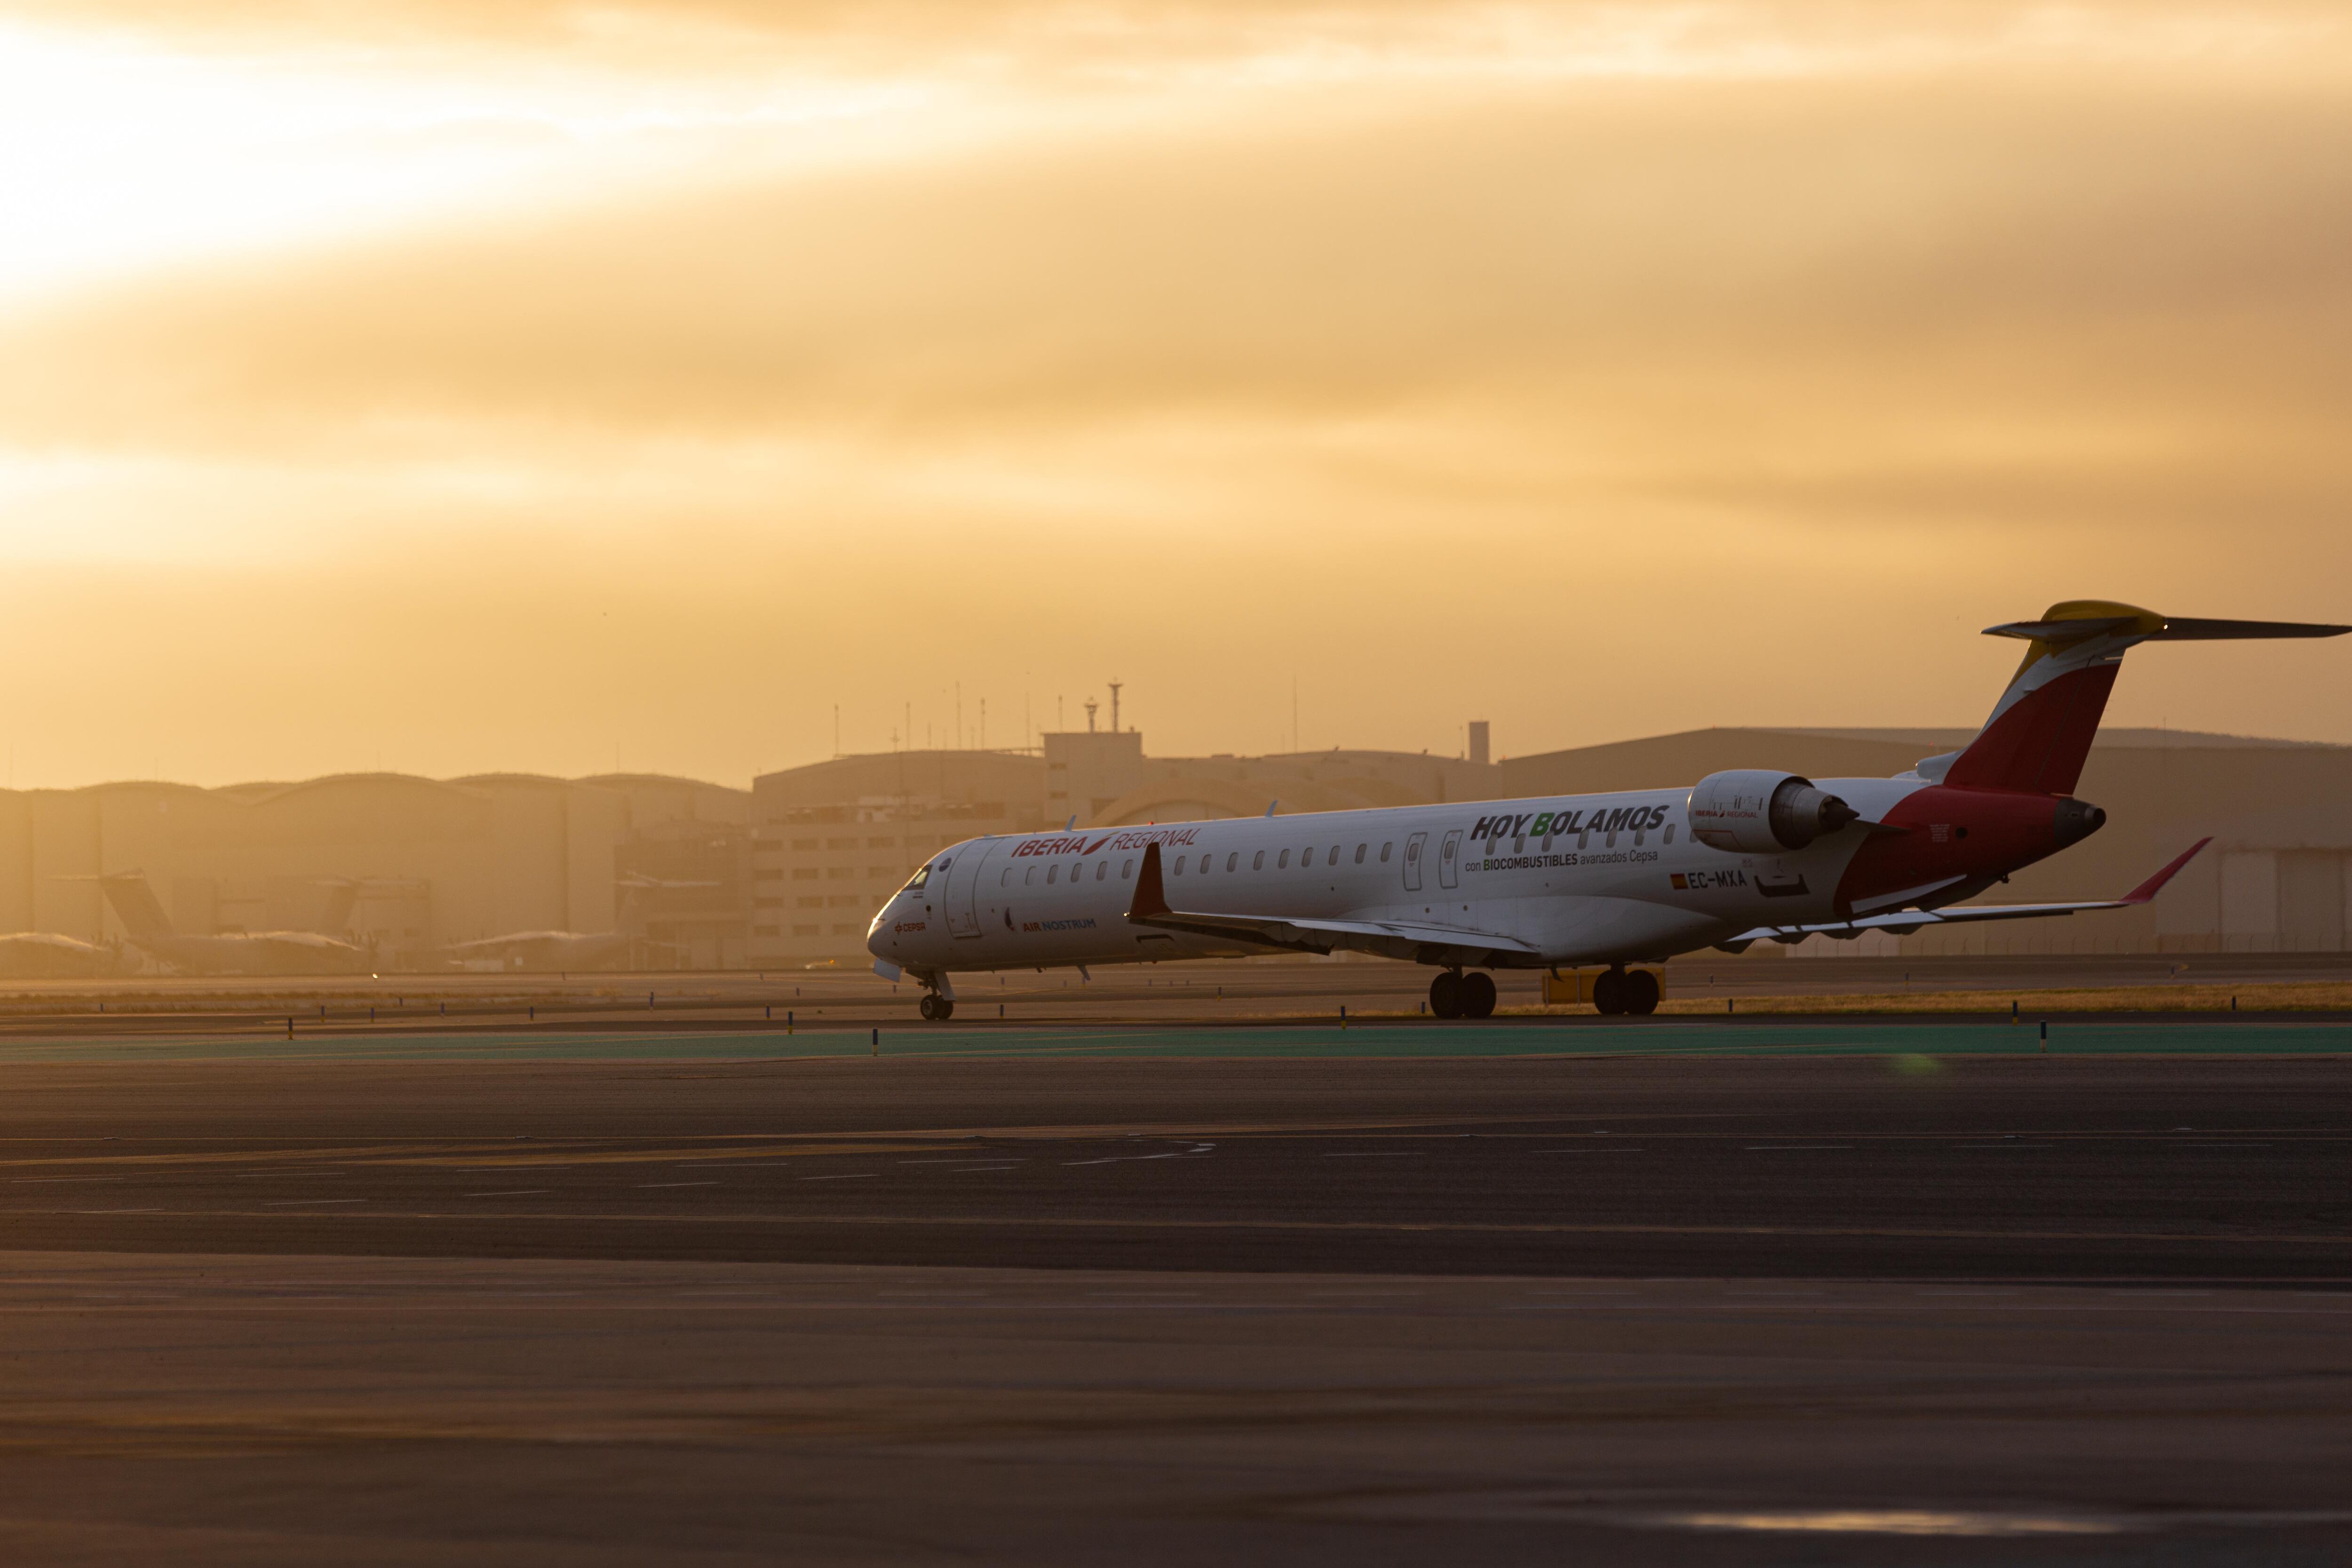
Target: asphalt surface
point(1720, 1305)
point(1848, 1167)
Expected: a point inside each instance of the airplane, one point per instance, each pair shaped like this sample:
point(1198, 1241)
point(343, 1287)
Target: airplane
point(47, 955)
point(235, 952)
point(1608, 880)
point(566, 951)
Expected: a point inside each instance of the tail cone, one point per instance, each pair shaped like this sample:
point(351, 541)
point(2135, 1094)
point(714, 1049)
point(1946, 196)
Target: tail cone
point(2075, 821)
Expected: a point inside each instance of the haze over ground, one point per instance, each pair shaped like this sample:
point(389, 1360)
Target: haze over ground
point(449, 387)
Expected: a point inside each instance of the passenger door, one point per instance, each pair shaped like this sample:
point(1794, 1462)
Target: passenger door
point(1413, 847)
point(1449, 861)
point(962, 900)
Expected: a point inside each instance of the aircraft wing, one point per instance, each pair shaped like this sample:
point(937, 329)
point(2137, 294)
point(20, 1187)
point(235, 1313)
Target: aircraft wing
point(1300, 933)
point(1902, 922)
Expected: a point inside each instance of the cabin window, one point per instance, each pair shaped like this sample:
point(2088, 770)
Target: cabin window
point(1179, 865)
point(1360, 853)
point(1384, 851)
point(1102, 870)
point(1670, 833)
point(1233, 859)
point(1335, 855)
point(1641, 835)
point(1257, 861)
point(1519, 844)
point(1126, 869)
point(1584, 838)
point(1053, 874)
point(1284, 863)
point(1547, 843)
point(1029, 876)
point(1608, 840)
point(1004, 877)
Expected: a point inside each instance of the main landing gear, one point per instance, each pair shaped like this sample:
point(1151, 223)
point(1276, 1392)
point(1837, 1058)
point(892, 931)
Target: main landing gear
point(1453, 995)
point(935, 1008)
point(1622, 990)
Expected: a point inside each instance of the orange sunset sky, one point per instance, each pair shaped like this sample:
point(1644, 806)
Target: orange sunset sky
point(449, 385)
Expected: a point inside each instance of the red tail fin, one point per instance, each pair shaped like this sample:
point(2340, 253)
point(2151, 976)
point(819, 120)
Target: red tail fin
point(2040, 729)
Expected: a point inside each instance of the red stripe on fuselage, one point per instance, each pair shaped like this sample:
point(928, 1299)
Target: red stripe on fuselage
point(1951, 833)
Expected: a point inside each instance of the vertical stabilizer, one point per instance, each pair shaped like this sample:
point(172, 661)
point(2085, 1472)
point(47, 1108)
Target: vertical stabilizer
point(136, 905)
point(343, 897)
point(2040, 729)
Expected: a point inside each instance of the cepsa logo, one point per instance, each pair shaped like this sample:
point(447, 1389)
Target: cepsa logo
point(903, 927)
point(1617, 819)
point(1080, 844)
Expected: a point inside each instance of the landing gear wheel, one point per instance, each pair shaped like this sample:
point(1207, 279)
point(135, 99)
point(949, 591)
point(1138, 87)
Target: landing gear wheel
point(1445, 995)
point(935, 1007)
point(1478, 996)
point(1641, 991)
point(1609, 992)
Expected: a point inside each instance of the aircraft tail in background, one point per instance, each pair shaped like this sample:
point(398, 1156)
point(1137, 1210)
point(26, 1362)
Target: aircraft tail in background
point(2040, 729)
point(342, 898)
point(136, 905)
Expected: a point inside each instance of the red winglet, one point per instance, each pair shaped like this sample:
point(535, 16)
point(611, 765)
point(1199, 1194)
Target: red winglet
point(2149, 889)
point(1151, 898)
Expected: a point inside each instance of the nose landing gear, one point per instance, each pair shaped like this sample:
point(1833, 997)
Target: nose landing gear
point(935, 1007)
point(1453, 995)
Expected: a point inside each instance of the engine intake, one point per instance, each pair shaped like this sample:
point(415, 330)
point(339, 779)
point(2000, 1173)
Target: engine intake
point(1755, 810)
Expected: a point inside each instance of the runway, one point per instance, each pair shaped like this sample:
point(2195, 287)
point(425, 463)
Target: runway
point(992, 1301)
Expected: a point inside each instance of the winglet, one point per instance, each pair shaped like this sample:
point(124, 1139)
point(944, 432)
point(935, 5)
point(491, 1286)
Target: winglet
point(1150, 897)
point(1271, 805)
point(2147, 890)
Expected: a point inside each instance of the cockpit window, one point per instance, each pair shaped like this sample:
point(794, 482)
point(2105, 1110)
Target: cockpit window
point(922, 875)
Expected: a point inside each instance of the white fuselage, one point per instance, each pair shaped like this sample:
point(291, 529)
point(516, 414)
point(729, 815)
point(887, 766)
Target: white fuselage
point(1552, 873)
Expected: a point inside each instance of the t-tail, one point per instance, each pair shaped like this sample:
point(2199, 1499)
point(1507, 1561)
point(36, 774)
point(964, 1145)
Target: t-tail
point(136, 905)
point(2040, 729)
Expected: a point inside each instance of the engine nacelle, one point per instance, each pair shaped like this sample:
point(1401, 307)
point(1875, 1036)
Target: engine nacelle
point(1755, 810)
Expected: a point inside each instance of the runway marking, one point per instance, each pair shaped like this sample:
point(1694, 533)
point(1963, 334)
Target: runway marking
point(514, 1193)
point(1377, 1154)
point(1399, 1228)
point(847, 1176)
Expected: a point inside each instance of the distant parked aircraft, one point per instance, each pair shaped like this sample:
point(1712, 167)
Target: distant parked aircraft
point(45, 955)
point(568, 950)
point(235, 953)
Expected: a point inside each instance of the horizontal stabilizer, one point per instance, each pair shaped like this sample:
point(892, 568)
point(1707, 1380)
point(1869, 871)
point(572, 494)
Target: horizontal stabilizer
point(2177, 630)
point(1902, 922)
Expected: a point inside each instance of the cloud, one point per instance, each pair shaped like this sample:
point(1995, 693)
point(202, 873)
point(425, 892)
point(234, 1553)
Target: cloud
point(1605, 393)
